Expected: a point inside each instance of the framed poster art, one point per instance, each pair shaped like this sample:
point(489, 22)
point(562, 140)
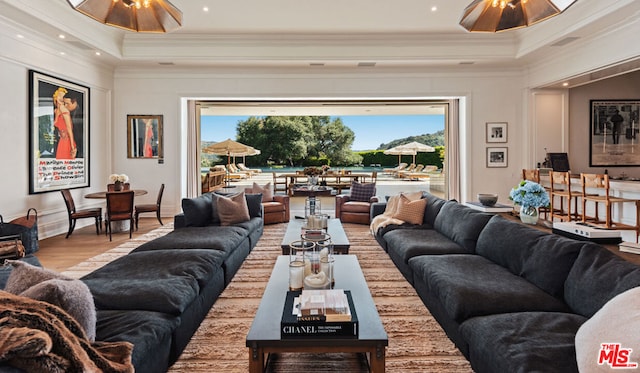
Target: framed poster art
point(58, 134)
point(496, 132)
point(144, 136)
point(497, 157)
point(613, 136)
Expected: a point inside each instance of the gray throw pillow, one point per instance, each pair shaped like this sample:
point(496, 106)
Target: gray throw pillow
point(197, 211)
point(73, 296)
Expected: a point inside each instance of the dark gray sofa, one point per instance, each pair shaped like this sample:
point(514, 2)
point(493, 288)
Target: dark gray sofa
point(509, 296)
point(156, 296)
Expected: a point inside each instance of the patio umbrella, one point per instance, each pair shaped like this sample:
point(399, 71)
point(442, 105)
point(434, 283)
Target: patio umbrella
point(400, 152)
point(227, 147)
point(251, 151)
point(416, 147)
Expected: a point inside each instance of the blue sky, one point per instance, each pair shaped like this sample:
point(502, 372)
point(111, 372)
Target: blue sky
point(370, 130)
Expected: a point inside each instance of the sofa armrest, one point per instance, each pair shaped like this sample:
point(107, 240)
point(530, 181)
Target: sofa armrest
point(179, 221)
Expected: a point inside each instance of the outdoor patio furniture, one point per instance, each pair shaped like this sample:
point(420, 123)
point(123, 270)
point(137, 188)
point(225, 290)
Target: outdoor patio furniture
point(391, 171)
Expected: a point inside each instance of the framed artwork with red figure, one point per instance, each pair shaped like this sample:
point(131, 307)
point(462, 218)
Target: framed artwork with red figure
point(58, 134)
point(144, 136)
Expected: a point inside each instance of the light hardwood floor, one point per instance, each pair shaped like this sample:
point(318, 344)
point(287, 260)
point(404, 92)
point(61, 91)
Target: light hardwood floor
point(58, 254)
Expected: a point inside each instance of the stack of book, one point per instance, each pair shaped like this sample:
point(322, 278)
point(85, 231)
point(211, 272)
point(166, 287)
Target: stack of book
point(319, 313)
point(629, 247)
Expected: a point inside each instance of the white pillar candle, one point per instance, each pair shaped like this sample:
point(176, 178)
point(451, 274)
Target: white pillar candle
point(326, 266)
point(296, 275)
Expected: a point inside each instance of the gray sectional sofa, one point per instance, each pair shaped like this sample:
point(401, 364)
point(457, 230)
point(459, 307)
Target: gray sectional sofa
point(156, 296)
point(509, 296)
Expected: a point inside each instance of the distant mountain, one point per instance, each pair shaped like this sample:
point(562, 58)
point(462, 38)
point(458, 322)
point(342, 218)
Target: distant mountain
point(431, 139)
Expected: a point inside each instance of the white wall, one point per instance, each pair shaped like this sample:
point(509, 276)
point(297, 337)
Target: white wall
point(17, 57)
point(491, 96)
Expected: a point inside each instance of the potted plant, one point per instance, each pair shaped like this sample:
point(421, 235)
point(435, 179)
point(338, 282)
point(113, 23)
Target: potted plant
point(529, 196)
point(118, 180)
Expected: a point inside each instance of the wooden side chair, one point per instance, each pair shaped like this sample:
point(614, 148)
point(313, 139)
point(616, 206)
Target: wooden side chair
point(75, 214)
point(119, 208)
point(143, 208)
point(598, 187)
point(561, 191)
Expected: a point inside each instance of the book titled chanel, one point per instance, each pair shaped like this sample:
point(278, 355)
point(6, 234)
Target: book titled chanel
point(319, 313)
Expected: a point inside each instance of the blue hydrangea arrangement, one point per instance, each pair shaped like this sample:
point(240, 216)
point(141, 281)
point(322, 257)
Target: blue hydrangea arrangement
point(529, 194)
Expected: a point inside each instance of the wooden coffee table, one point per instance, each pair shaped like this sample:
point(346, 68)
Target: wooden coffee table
point(264, 336)
point(334, 228)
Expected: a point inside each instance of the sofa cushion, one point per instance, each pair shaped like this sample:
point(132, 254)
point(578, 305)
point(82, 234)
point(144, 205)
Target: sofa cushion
point(161, 280)
point(362, 191)
point(197, 211)
point(618, 322)
point(356, 206)
point(225, 239)
point(410, 211)
point(471, 285)
point(523, 342)
point(596, 277)
point(541, 258)
point(461, 224)
point(233, 209)
point(408, 243)
point(150, 333)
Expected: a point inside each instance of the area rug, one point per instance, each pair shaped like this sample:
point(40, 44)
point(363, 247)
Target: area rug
point(416, 341)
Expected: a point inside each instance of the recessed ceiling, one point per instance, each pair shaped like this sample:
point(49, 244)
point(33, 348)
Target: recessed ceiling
point(292, 35)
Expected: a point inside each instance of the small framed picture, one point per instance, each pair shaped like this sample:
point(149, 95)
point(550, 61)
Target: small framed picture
point(144, 136)
point(497, 157)
point(496, 131)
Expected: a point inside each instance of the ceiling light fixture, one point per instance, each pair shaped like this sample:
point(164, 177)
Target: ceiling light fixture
point(501, 15)
point(134, 15)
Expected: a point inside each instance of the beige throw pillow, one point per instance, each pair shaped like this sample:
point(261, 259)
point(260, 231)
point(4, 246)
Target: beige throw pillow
point(267, 193)
point(617, 323)
point(410, 211)
point(233, 210)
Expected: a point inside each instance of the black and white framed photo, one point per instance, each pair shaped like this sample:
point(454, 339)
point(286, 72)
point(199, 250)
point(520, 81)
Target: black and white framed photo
point(497, 157)
point(496, 131)
point(613, 139)
point(58, 134)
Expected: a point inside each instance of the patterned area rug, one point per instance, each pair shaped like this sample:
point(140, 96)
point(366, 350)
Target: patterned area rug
point(416, 341)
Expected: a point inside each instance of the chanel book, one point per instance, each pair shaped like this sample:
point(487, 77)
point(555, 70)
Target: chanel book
point(294, 324)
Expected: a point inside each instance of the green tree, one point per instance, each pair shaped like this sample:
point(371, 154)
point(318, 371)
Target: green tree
point(298, 140)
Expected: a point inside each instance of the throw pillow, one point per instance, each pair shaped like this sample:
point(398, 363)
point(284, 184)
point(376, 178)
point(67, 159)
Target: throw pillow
point(410, 211)
point(71, 295)
point(254, 204)
point(197, 211)
point(617, 322)
point(362, 192)
point(267, 193)
point(233, 209)
point(24, 275)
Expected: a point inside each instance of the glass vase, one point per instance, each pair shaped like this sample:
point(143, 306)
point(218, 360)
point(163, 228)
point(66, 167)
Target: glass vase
point(529, 215)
